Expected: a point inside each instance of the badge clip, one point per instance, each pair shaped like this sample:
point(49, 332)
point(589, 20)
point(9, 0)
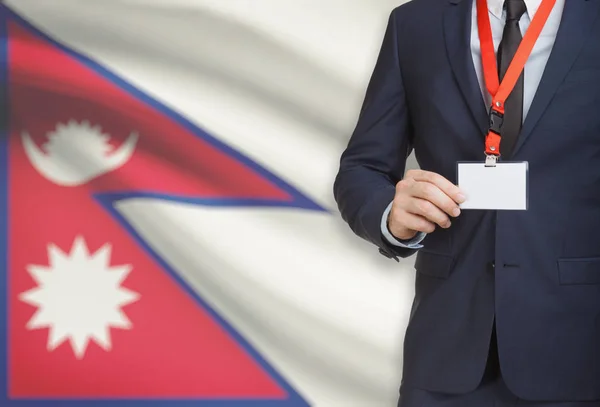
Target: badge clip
point(491, 160)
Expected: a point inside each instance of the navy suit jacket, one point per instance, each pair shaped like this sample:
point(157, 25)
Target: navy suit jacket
point(536, 272)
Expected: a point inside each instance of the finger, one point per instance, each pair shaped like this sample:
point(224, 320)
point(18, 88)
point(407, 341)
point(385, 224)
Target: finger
point(412, 222)
point(442, 183)
point(429, 211)
point(436, 196)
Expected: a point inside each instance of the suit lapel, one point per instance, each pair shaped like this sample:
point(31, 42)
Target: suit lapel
point(577, 20)
point(457, 34)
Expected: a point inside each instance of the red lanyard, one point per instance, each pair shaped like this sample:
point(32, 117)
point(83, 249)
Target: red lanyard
point(501, 91)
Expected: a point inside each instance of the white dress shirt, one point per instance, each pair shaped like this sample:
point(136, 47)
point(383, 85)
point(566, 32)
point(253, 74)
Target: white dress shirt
point(534, 68)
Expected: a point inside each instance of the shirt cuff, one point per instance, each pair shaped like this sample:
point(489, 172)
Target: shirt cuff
point(413, 243)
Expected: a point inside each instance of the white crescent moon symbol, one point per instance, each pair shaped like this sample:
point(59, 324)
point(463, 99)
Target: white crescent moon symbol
point(74, 171)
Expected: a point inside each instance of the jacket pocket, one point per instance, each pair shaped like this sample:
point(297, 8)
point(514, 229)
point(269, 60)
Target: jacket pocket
point(433, 264)
point(579, 271)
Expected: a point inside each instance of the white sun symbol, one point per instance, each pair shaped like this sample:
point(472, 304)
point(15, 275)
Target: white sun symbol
point(79, 297)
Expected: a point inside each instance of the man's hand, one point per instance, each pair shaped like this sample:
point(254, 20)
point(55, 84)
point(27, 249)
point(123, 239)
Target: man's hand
point(423, 200)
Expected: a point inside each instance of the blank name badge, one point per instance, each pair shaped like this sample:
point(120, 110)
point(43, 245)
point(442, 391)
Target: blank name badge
point(500, 187)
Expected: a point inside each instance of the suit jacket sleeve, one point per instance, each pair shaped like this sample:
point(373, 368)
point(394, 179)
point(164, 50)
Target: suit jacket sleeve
point(375, 158)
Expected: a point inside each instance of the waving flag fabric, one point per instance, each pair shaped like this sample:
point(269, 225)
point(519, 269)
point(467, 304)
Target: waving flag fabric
point(97, 293)
point(148, 260)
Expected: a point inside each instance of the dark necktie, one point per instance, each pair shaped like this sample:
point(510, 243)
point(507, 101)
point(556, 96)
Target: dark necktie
point(513, 107)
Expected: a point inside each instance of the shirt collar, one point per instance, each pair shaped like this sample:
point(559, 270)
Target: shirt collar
point(497, 6)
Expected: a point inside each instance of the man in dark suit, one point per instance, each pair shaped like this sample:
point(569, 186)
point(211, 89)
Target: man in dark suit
point(507, 304)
